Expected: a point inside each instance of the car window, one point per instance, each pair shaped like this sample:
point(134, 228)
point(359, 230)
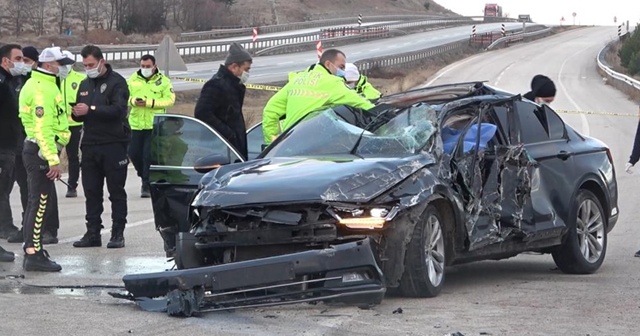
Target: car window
point(556, 125)
point(501, 113)
point(531, 123)
point(255, 139)
point(180, 141)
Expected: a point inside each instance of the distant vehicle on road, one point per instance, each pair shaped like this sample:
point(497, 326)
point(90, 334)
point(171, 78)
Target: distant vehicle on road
point(492, 12)
point(347, 203)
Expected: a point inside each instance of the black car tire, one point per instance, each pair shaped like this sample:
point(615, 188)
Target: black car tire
point(418, 278)
point(570, 256)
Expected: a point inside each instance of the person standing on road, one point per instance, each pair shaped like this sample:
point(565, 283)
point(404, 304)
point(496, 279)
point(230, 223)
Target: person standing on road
point(320, 87)
point(45, 124)
point(222, 97)
point(102, 107)
point(543, 90)
point(10, 128)
point(69, 87)
point(360, 83)
point(150, 93)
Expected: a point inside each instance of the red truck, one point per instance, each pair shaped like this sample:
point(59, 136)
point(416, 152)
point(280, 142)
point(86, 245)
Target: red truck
point(492, 12)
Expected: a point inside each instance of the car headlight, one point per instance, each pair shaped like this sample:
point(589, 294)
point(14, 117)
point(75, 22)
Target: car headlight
point(376, 218)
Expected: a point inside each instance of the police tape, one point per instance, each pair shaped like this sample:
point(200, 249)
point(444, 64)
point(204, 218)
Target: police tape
point(613, 114)
point(248, 85)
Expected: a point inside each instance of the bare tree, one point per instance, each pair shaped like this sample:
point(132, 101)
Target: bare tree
point(35, 14)
point(83, 10)
point(62, 7)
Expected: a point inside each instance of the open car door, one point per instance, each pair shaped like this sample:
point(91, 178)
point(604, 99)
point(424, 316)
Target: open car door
point(177, 142)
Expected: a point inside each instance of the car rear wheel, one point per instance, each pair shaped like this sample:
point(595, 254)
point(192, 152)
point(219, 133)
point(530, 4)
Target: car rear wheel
point(425, 257)
point(585, 245)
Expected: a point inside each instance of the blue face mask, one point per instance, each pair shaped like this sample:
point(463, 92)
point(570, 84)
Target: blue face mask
point(340, 73)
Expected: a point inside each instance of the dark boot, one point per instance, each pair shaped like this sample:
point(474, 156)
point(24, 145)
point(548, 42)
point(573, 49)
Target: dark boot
point(117, 238)
point(16, 237)
point(49, 238)
point(144, 191)
point(6, 256)
point(90, 239)
point(7, 231)
point(71, 193)
point(40, 262)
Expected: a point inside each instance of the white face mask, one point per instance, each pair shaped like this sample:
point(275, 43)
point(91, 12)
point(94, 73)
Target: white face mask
point(18, 69)
point(63, 71)
point(27, 69)
point(244, 77)
point(351, 85)
point(146, 73)
point(93, 73)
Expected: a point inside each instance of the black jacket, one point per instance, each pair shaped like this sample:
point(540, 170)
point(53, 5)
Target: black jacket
point(108, 122)
point(530, 95)
point(10, 126)
point(220, 106)
point(635, 153)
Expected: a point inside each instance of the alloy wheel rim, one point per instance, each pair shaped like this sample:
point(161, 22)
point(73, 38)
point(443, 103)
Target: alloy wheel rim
point(434, 251)
point(590, 231)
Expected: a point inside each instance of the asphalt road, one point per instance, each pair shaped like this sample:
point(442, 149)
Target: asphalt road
point(268, 69)
point(525, 295)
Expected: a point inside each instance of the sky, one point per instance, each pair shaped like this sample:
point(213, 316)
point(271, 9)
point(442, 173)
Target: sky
point(588, 12)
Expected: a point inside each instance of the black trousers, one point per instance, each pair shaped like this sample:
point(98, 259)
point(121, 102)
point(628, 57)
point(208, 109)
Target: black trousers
point(51, 223)
point(72, 149)
point(42, 203)
point(7, 162)
point(140, 153)
point(99, 163)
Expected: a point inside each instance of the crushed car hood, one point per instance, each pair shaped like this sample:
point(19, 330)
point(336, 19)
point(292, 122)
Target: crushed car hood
point(285, 180)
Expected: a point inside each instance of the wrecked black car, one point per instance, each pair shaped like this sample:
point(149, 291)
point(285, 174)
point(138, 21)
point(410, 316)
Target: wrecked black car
point(349, 203)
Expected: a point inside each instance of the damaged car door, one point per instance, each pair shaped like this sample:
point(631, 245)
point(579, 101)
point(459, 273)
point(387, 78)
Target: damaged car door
point(494, 181)
point(177, 143)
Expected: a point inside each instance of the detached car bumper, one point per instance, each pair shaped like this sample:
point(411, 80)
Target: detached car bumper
point(345, 273)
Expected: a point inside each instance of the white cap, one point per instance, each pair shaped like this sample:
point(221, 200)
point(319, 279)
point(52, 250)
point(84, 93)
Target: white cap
point(54, 54)
point(351, 73)
point(69, 54)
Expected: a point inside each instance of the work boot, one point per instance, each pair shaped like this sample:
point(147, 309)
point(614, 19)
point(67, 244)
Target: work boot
point(49, 238)
point(16, 237)
point(144, 191)
point(6, 231)
point(117, 239)
point(90, 239)
point(637, 254)
point(40, 262)
point(6, 256)
point(71, 193)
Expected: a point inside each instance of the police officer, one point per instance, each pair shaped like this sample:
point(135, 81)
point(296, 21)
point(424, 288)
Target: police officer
point(10, 68)
point(45, 124)
point(321, 86)
point(102, 107)
point(150, 92)
point(360, 83)
point(69, 87)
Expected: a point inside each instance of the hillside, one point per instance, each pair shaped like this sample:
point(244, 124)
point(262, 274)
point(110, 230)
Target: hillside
point(76, 22)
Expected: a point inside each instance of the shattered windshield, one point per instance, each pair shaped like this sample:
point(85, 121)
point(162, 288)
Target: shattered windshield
point(327, 133)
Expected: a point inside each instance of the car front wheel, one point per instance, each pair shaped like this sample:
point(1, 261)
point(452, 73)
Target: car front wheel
point(585, 245)
point(425, 258)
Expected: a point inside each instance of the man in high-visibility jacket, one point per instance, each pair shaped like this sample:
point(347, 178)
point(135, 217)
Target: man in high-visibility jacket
point(320, 87)
point(150, 93)
point(360, 83)
point(45, 123)
point(69, 88)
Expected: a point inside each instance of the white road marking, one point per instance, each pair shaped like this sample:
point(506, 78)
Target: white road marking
point(585, 123)
point(451, 67)
point(107, 230)
point(376, 49)
point(502, 73)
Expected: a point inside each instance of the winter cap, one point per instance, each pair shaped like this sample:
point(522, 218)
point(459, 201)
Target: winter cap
point(31, 53)
point(543, 86)
point(69, 54)
point(237, 54)
point(351, 73)
point(54, 54)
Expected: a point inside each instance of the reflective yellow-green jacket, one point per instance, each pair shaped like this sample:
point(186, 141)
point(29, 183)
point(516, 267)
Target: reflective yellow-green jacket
point(158, 93)
point(69, 89)
point(364, 88)
point(307, 92)
point(43, 115)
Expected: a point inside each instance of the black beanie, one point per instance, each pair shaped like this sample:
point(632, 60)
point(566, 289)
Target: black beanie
point(237, 54)
point(543, 86)
point(31, 52)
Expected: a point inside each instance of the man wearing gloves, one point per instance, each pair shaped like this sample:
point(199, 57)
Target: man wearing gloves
point(360, 83)
point(150, 92)
point(222, 97)
point(46, 126)
point(320, 87)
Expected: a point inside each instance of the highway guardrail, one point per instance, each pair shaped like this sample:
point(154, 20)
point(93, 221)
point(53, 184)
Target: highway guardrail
point(616, 76)
point(518, 37)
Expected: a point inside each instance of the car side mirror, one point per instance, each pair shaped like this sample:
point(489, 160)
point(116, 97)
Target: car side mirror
point(208, 163)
